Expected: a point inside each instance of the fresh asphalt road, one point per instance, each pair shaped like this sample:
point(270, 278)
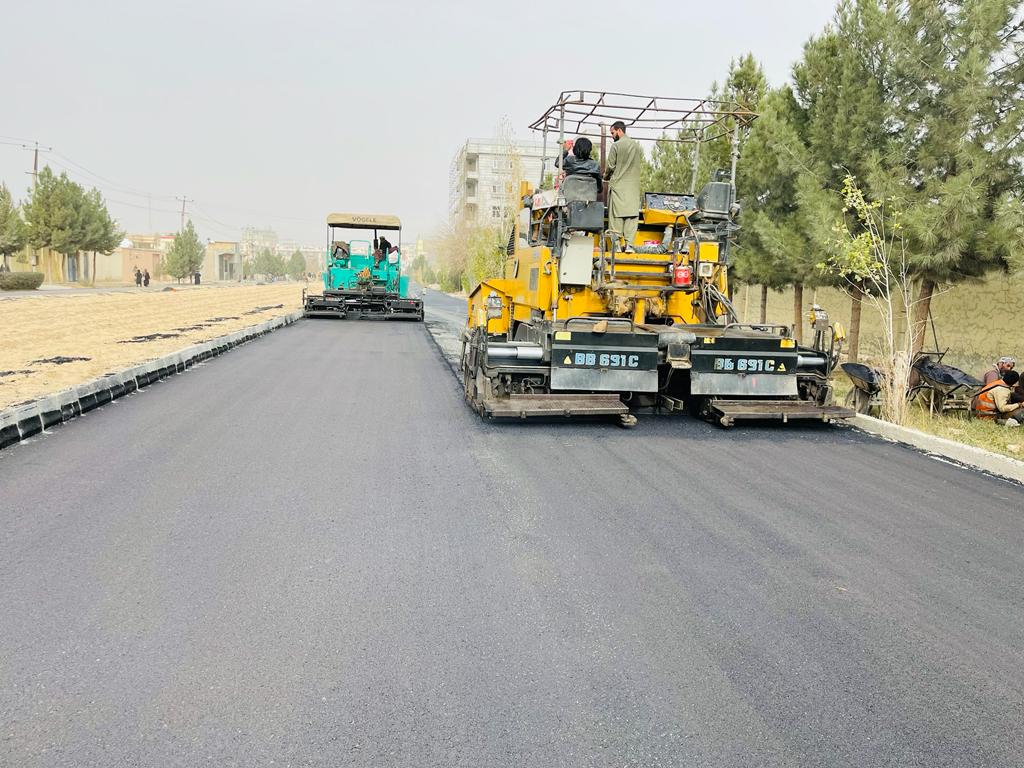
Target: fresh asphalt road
point(310, 552)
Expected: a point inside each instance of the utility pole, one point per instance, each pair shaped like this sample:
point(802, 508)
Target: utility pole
point(183, 200)
point(34, 173)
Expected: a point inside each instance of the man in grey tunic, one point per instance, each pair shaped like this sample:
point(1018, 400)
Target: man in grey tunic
point(623, 175)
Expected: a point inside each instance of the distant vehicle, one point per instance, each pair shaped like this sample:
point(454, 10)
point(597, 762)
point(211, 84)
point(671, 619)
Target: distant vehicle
point(363, 278)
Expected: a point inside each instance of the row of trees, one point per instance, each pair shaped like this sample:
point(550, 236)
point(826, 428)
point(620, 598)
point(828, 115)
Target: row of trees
point(60, 215)
point(266, 263)
point(916, 107)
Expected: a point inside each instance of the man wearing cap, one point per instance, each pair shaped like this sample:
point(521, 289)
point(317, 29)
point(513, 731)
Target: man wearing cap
point(994, 374)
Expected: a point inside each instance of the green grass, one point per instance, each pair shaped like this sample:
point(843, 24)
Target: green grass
point(981, 434)
point(953, 426)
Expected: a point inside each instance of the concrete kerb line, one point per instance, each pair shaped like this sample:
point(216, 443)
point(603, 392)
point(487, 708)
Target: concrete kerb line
point(27, 419)
point(969, 455)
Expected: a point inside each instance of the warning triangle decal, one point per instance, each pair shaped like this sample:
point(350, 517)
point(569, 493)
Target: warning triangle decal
point(567, 361)
point(782, 367)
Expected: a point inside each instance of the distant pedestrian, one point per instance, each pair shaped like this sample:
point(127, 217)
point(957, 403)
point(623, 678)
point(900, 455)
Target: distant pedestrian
point(138, 278)
point(145, 278)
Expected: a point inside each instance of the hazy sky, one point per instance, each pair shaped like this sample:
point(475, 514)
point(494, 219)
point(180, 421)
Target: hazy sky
point(274, 114)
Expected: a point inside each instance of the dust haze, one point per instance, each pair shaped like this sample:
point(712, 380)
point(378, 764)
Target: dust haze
point(272, 114)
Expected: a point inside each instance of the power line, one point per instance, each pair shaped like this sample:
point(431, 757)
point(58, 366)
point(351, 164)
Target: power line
point(114, 185)
point(17, 139)
point(107, 184)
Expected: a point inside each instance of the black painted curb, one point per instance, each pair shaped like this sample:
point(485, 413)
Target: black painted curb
point(23, 421)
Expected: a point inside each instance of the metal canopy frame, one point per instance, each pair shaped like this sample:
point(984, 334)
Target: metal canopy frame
point(647, 118)
point(373, 222)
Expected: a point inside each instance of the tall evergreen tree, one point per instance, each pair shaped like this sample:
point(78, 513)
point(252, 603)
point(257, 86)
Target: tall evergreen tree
point(185, 256)
point(297, 265)
point(774, 248)
point(12, 228)
point(56, 215)
point(950, 79)
point(102, 234)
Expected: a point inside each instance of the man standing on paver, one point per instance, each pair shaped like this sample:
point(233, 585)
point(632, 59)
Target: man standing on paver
point(623, 175)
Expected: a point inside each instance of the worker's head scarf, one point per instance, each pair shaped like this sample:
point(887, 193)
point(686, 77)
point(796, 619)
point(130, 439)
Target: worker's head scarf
point(582, 148)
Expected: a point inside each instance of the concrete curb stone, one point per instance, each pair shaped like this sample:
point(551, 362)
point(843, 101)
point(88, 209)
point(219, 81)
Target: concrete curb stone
point(27, 419)
point(979, 458)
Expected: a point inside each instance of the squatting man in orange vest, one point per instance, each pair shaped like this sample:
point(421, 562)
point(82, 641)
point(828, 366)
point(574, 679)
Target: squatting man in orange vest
point(993, 401)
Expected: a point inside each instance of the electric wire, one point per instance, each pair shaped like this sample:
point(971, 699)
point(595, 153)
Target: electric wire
point(109, 186)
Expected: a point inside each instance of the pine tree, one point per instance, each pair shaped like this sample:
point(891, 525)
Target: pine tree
point(56, 215)
point(296, 265)
point(102, 234)
point(810, 136)
point(12, 228)
point(949, 79)
point(185, 256)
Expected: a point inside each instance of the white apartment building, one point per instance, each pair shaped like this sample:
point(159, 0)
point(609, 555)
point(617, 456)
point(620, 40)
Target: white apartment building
point(485, 176)
point(255, 240)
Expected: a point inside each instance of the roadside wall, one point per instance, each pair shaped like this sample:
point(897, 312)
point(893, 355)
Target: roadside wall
point(975, 321)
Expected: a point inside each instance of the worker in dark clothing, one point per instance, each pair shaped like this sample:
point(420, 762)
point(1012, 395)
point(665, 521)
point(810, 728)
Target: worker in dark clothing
point(1017, 393)
point(578, 161)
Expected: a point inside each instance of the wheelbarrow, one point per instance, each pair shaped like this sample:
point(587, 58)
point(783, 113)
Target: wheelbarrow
point(947, 389)
point(867, 386)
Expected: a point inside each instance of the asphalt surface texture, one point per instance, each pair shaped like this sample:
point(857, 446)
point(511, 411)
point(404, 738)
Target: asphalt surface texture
point(310, 552)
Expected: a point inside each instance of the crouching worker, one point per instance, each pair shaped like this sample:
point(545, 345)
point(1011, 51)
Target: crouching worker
point(993, 402)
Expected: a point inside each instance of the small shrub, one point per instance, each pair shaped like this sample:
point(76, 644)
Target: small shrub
point(20, 281)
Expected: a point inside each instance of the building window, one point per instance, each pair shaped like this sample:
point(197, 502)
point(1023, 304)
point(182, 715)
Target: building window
point(495, 212)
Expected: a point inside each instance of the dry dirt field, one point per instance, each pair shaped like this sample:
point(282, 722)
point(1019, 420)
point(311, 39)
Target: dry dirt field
point(117, 330)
